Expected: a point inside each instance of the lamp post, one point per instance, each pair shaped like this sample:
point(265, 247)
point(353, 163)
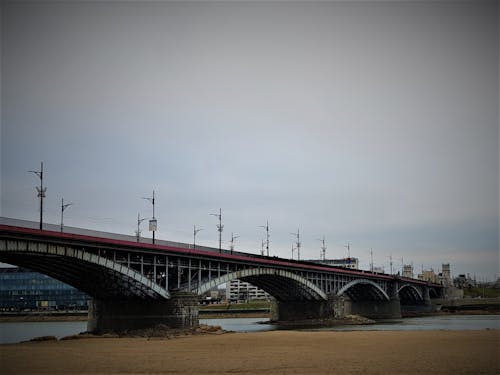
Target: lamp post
point(266, 227)
point(41, 191)
point(195, 232)
point(152, 222)
point(220, 227)
point(348, 246)
point(390, 263)
point(371, 260)
point(323, 249)
point(63, 207)
point(138, 231)
point(233, 237)
point(297, 243)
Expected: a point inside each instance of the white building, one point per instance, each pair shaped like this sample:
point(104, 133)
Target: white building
point(237, 290)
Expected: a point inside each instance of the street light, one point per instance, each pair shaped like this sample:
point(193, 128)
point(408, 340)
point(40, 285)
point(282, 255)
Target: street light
point(323, 248)
point(233, 237)
point(266, 227)
point(63, 207)
point(152, 222)
point(297, 243)
point(195, 232)
point(41, 191)
point(220, 227)
point(348, 246)
point(139, 221)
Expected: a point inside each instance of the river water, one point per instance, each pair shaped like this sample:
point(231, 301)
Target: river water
point(22, 331)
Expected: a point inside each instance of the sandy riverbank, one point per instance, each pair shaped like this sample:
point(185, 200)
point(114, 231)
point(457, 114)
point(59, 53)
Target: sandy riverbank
point(275, 352)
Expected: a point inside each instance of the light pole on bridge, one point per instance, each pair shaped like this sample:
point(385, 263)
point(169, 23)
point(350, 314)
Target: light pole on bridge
point(152, 222)
point(348, 246)
point(195, 232)
point(41, 191)
point(323, 248)
point(220, 227)
point(266, 227)
point(63, 207)
point(139, 221)
point(297, 243)
point(233, 237)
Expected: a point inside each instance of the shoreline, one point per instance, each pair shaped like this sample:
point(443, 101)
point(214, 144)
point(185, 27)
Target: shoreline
point(270, 352)
point(62, 317)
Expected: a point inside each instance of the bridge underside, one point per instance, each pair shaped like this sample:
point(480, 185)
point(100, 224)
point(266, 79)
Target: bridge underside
point(281, 288)
point(98, 281)
point(366, 298)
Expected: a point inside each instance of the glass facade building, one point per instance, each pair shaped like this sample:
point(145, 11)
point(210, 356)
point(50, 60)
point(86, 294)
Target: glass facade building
point(22, 289)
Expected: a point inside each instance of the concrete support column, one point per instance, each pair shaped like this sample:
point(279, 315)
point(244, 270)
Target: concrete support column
point(376, 309)
point(180, 311)
point(308, 310)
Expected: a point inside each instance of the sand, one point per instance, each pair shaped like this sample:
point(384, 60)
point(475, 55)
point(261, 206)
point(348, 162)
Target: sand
point(274, 352)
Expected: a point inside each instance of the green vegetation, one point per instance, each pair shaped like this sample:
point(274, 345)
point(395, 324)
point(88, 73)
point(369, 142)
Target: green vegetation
point(238, 306)
point(486, 292)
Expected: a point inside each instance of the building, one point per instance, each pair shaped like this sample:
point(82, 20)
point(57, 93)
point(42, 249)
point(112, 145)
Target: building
point(408, 271)
point(428, 276)
point(237, 290)
point(22, 289)
point(445, 275)
point(351, 262)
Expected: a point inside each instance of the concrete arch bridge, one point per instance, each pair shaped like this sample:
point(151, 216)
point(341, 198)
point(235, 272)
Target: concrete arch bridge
point(136, 284)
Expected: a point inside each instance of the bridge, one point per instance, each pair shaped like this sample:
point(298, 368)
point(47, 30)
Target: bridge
point(135, 284)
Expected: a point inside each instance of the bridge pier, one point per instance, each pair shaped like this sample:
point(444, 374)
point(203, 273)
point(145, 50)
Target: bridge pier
point(425, 307)
point(378, 309)
point(180, 311)
point(308, 310)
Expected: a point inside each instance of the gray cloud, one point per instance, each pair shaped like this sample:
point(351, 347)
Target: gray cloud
point(375, 123)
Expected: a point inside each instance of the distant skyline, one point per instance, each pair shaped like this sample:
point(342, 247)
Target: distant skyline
point(369, 123)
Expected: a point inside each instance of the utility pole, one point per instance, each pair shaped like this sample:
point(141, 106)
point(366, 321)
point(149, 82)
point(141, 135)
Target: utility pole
point(138, 231)
point(233, 237)
point(262, 247)
point(41, 192)
point(266, 227)
point(323, 249)
point(152, 222)
point(63, 207)
point(297, 243)
point(402, 265)
point(195, 232)
point(348, 246)
point(371, 260)
point(220, 227)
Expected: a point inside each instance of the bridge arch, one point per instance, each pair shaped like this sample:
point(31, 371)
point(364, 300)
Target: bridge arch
point(281, 284)
point(95, 275)
point(410, 294)
point(362, 290)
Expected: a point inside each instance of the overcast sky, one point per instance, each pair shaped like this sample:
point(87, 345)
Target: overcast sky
point(370, 123)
